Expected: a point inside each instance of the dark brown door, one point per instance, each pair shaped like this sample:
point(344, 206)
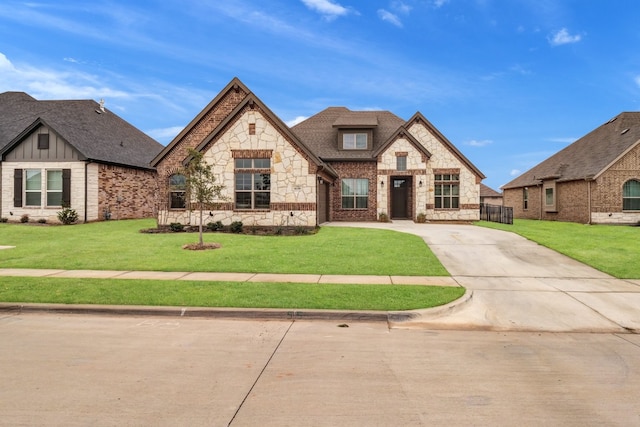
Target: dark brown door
point(399, 198)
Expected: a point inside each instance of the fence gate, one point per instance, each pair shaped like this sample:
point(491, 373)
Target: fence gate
point(496, 213)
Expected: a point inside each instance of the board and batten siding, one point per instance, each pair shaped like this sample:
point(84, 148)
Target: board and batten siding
point(58, 149)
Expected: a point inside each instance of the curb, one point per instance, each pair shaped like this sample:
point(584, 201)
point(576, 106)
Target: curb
point(237, 313)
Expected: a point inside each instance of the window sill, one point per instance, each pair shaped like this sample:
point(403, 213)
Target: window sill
point(252, 210)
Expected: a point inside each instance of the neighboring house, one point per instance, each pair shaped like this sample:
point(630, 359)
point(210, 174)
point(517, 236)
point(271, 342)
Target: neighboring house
point(336, 165)
point(594, 180)
point(489, 196)
point(72, 153)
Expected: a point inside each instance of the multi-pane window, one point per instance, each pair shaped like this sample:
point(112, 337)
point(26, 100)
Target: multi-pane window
point(631, 196)
point(33, 187)
point(253, 183)
point(355, 193)
point(177, 191)
point(548, 197)
point(354, 141)
point(54, 188)
point(525, 198)
point(401, 163)
point(447, 188)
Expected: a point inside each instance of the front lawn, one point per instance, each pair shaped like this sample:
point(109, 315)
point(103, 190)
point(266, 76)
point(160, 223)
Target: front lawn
point(224, 294)
point(613, 249)
point(118, 245)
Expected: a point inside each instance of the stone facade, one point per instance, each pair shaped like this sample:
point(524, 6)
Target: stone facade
point(293, 188)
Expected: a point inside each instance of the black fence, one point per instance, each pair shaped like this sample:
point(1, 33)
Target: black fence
point(496, 213)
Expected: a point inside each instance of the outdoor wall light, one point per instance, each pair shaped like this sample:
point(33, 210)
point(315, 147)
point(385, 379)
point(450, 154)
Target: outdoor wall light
point(381, 184)
point(420, 183)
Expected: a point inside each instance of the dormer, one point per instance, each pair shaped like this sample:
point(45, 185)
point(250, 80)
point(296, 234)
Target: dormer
point(355, 130)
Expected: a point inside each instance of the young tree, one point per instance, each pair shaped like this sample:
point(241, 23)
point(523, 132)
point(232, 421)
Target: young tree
point(201, 186)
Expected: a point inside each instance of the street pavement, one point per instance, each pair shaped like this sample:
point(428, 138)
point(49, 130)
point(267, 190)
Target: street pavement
point(512, 284)
point(93, 370)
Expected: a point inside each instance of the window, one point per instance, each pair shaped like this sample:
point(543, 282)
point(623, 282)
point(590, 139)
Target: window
point(401, 163)
point(525, 198)
point(33, 187)
point(355, 193)
point(354, 141)
point(253, 183)
point(631, 195)
point(177, 191)
point(548, 196)
point(43, 141)
point(54, 188)
point(447, 188)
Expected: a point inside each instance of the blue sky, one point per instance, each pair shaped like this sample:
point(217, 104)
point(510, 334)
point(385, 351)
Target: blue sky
point(509, 82)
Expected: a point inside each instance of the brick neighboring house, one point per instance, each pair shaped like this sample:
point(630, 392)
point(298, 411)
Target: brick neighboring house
point(336, 165)
point(76, 153)
point(594, 180)
point(490, 196)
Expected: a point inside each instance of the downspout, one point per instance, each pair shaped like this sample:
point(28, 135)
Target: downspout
point(86, 189)
point(589, 181)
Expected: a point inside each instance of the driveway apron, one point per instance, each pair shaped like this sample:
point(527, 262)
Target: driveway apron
point(518, 285)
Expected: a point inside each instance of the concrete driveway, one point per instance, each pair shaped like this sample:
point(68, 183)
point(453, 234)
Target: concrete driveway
point(518, 285)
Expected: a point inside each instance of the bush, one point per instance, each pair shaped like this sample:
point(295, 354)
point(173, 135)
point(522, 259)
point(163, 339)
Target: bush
point(176, 227)
point(236, 227)
point(215, 226)
point(24, 218)
point(67, 215)
point(421, 218)
point(383, 217)
point(4, 219)
point(42, 221)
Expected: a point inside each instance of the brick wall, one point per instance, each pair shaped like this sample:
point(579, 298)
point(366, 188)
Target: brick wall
point(173, 160)
point(126, 193)
point(354, 170)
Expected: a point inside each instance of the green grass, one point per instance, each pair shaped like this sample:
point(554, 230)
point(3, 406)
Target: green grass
point(612, 249)
point(118, 245)
point(224, 294)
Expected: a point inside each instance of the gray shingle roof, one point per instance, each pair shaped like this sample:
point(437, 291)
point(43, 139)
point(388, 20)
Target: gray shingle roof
point(320, 132)
point(486, 191)
point(589, 155)
point(102, 137)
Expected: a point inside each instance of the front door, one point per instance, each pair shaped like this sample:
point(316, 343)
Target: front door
point(400, 198)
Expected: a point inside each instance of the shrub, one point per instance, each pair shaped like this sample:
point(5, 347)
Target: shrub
point(383, 217)
point(176, 227)
point(236, 227)
point(24, 218)
point(4, 219)
point(42, 221)
point(215, 226)
point(67, 215)
point(421, 218)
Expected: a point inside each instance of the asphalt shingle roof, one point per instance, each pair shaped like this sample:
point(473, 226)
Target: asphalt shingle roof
point(320, 132)
point(102, 137)
point(589, 155)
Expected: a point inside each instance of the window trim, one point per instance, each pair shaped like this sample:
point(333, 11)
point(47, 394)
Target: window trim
point(258, 171)
point(177, 188)
point(27, 191)
point(356, 196)
point(401, 163)
point(627, 187)
point(343, 132)
point(452, 181)
point(525, 198)
point(49, 191)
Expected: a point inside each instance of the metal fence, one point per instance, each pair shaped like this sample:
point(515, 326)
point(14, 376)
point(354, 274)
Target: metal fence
point(496, 213)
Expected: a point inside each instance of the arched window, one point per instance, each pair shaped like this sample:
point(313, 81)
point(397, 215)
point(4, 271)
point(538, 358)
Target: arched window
point(631, 195)
point(177, 191)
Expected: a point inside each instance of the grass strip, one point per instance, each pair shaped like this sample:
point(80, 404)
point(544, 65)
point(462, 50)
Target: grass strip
point(225, 294)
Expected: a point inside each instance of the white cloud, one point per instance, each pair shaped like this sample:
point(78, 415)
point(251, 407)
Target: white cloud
point(563, 37)
point(440, 3)
point(479, 143)
point(515, 172)
point(53, 84)
point(562, 140)
point(385, 15)
point(637, 80)
point(326, 8)
point(295, 121)
point(400, 7)
point(165, 134)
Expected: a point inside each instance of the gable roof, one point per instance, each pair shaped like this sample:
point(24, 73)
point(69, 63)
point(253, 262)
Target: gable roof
point(249, 100)
point(589, 156)
point(486, 191)
point(320, 131)
point(97, 135)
